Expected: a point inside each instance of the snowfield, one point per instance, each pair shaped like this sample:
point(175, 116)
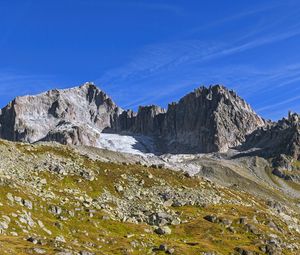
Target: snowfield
point(144, 147)
point(137, 144)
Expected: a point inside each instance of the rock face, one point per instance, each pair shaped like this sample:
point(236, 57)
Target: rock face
point(206, 120)
point(70, 116)
point(282, 137)
point(148, 120)
point(67, 133)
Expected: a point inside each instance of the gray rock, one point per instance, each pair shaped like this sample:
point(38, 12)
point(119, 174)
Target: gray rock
point(119, 188)
point(272, 225)
point(88, 175)
point(4, 225)
point(32, 240)
point(60, 239)
point(86, 253)
point(170, 251)
point(27, 204)
point(243, 220)
point(225, 222)
point(211, 218)
point(243, 251)
point(68, 133)
point(163, 247)
point(56, 210)
point(10, 197)
point(165, 230)
point(251, 228)
point(39, 251)
point(160, 219)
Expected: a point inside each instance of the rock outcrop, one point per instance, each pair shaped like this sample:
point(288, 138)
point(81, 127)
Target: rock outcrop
point(148, 120)
point(73, 116)
point(282, 137)
point(206, 120)
point(67, 133)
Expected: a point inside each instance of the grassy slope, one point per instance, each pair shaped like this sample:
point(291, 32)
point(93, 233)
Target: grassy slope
point(113, 237)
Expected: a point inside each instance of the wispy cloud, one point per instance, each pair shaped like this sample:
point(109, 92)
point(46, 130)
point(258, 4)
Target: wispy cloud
point(258, 42)
point(165, 56)
point(236, 17)
point(266, 79)
point(157, 58)
point(159, 63)
point(284, 102)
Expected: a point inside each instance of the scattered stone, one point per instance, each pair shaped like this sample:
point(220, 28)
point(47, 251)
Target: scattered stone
point(56, 210)
point(60, 239)
point(39, 250)
point(243, 251)
point(243, 220)
point(32, 240)
point(27, 204)
point(86, 253)
point(165, 248)
point(10, 197)
point(119, 188)
point(225, 222)
point(211, 218)
point(165, 230)
point(170, 251)
point(252, 229)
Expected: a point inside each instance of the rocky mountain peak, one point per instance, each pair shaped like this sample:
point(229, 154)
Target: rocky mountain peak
point(215, 116)
point(88, 85)
point(34, 118)
point(206, 120)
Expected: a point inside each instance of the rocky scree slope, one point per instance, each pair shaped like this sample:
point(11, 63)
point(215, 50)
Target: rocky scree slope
point(206, 120)
point(58, 200)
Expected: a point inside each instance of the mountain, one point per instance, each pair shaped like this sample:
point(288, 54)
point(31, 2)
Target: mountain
point(70, 116)
point(240, 197)
point(282, 137)
point(206, 120)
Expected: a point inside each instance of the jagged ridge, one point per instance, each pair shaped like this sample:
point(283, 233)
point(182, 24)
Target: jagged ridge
point(206, 120)
point(282, 137)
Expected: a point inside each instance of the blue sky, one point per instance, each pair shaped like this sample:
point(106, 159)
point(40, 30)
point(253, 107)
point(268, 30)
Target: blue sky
point(154, 52)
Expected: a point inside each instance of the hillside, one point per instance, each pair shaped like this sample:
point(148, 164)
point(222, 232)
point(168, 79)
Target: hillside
point(61, 200)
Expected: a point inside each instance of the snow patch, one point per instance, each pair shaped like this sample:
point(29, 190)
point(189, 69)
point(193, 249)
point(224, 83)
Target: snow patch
point(137, 144)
